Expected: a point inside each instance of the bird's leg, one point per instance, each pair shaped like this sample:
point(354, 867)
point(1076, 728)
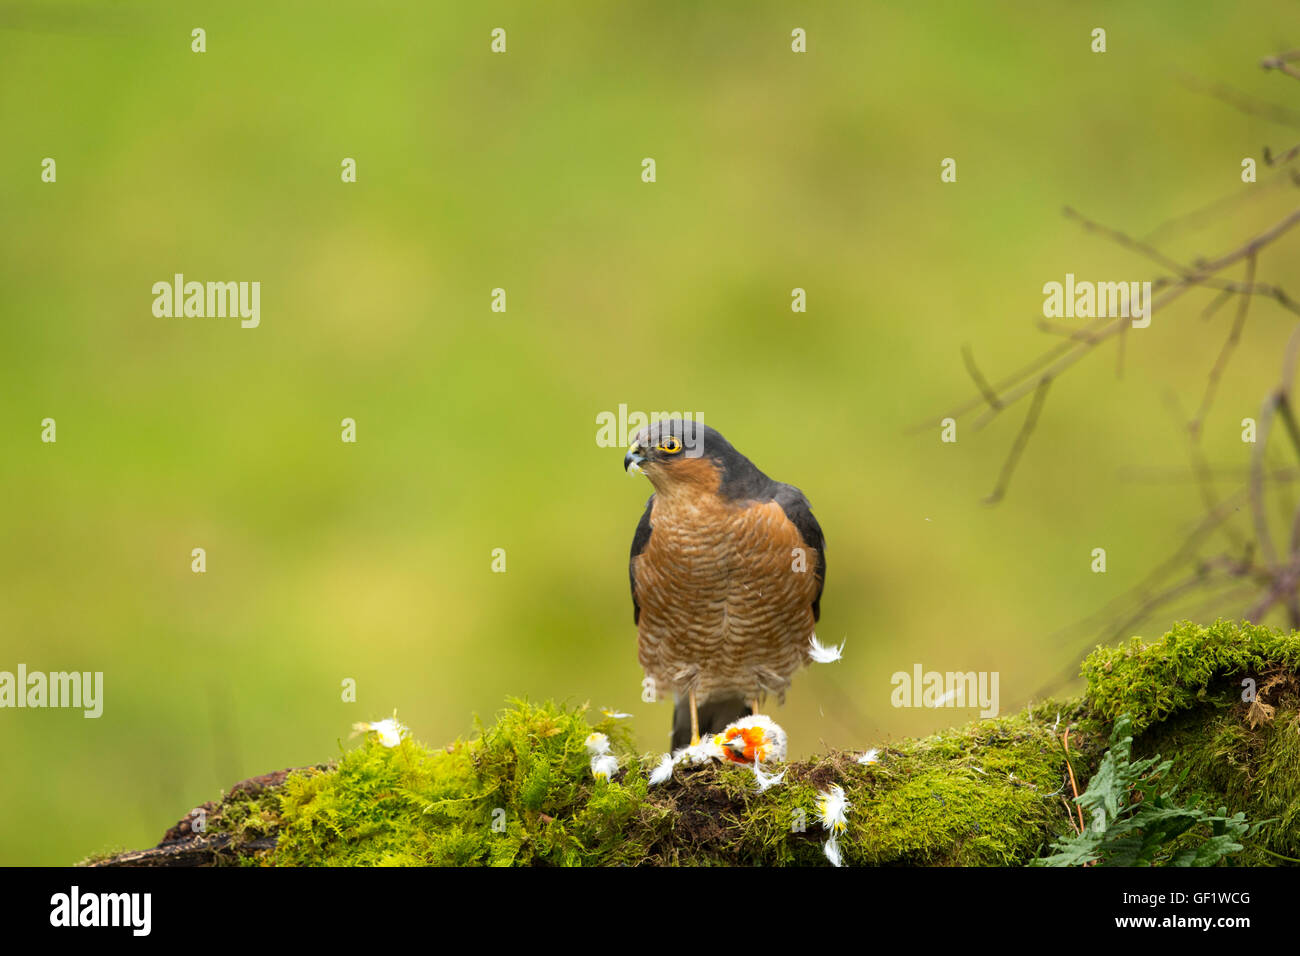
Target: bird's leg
point(695, 722)
point(753, 705)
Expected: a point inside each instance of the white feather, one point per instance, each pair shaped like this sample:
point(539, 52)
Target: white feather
point(390, 731)
point(663, 772)
point(832, 851)
point(822, 654)
point(604, 766)
point(832, 809)
point(766, 780)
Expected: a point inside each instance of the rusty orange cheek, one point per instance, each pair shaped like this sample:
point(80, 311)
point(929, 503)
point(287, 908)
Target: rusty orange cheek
point(728, 752)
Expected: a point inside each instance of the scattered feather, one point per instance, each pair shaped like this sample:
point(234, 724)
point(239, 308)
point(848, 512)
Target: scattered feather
point(832, 809)
point(597, 744)
point(823, 654)
point(708, 749)
point(604, 766)
point(870, 757)
point(832, 851)
point(613, 714)
point(766, 780)
point(390, 731)
point(662, 773)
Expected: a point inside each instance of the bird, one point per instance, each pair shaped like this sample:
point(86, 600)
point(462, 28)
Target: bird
point(753, 740)
point(727, 570)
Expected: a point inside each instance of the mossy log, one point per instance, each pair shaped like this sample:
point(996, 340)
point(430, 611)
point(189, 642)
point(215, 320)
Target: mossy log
point(994, 792)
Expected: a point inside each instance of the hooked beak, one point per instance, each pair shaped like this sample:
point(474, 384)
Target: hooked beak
point(632, 460)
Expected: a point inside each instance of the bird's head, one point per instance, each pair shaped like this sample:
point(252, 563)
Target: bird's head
point(677, 454)
point(753, 738)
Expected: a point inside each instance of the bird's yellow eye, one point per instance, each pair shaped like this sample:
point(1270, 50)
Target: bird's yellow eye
point(670, 444)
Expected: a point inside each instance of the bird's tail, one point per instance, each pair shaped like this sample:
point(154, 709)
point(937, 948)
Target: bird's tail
point(714, 716)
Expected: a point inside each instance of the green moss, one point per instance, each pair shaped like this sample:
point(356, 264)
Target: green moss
point(522, 793)
point(102, 856)
point(1189, 667)
point(247, 817)
point(519, 793)
point(994, 792)
point(1227, 763)
point(987, 794)
point(243, 826)
point(1185, 692)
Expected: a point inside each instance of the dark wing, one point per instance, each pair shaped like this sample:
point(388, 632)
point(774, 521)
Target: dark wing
point(638, 545)
point(799, 512)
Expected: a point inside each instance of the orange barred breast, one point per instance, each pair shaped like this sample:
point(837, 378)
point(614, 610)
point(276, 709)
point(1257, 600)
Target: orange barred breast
point(724, 608)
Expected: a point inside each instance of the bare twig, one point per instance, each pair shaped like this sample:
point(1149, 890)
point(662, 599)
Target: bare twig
point(1280, 63)
point(1243, 306)
point(1245, 102)
point(1251, 569)
point(1290, 154)
point(1155, 255)
point(1022, 439)
point(1205, 482)
point(980, 381)
point(1063, 356)
point(1074, 786)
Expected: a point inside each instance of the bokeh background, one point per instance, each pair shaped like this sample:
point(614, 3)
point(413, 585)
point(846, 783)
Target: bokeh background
point(477, 430)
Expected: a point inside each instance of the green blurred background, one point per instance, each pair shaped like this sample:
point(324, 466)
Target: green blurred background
point(476, 430)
